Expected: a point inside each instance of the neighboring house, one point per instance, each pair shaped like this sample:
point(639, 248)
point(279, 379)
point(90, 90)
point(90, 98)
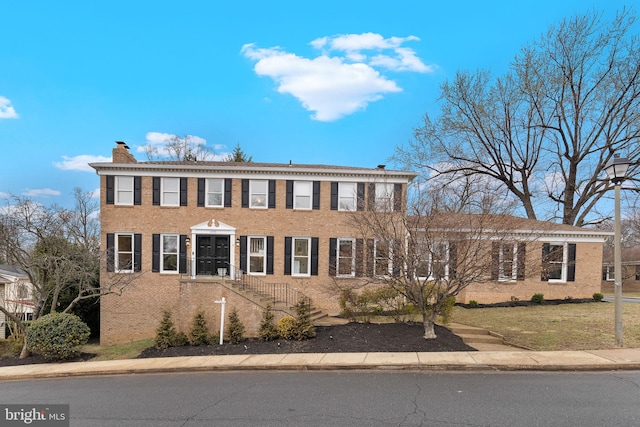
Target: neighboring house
point(630, 260)
point(524, 257)
point(190, 233)
point(16, 295)
point(190, 228)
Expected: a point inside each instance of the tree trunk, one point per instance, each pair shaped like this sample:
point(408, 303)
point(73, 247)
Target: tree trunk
point(428, 324)
point(25, 351)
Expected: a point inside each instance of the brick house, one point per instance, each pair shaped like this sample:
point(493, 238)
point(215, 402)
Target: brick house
point(200, 231)
point(630, 262)
point(256, 234)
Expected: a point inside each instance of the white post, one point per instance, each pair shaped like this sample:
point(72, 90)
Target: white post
point(222, 303)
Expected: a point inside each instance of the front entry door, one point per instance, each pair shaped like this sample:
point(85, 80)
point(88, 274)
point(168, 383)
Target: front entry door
point(212, 254)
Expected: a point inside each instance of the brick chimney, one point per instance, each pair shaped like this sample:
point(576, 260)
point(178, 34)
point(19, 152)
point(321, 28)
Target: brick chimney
point(121, 154)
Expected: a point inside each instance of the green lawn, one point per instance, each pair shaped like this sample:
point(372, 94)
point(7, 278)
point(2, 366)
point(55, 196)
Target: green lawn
point(587, 326)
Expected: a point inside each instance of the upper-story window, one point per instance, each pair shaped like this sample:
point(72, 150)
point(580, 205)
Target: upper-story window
point(124, 190)
point(302, 193)
point(384, 197)
point(347, 196)
point(258, 194)
point(215, 192)
point(169, 253)
point(170, 192)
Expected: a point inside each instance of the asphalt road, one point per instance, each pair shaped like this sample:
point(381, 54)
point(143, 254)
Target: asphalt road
point(353, 398)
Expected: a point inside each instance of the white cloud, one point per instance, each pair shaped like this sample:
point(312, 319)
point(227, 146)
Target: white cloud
point(41, 192)
point(80, 163)
point(344, 78)
point(4, 195)
point(6, 109)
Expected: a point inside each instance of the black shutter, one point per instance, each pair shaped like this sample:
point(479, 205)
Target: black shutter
point(372, 197)
point(359, 257)
point(272, 194)
point(137, 252)
point(155, 250)
point(156, 191)
point(334, 196)
point(333, 245)
point(183, 191)
point(110, 254)
point(270, 241)
point(495, 260)
point(370, 257)
point(184, 256)
point(314, 256)
point(110, 189)
point(137, 190)
point(453, 260)
point(522, 259)
point(571, 268)
point(289, 202)
point(201, 191)
point(361, 199)
point(316, 195)
point(397, 197)
point(245, 193)
point(287, 256)
point(546, 248)
point(243, 253)
point(227, 192)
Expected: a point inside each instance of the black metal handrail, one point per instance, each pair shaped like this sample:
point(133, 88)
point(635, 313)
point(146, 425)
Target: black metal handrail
point(275, 292)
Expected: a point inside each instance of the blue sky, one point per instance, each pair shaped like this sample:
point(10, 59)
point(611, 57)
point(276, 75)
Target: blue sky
point(333, 82)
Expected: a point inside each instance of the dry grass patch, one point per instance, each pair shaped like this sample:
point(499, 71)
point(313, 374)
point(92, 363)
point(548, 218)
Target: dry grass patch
point(557, 327)
point(116, 352)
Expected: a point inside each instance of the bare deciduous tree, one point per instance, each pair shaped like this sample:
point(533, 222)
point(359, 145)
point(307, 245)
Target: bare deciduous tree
point(545, 130)
point(187, 148)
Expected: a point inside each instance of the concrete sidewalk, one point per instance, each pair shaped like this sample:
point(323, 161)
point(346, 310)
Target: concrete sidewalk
point(617, 359)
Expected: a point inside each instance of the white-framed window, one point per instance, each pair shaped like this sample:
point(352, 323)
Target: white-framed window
point(169, 247)
point(556, 262)
point(381, 258)
point(302, 194)
point(301, 259)
point(214, 188)
point(347, 196)
point(610, 271)
point(384, 197)
point(124, 252)
point(346, 257)
point(258, 194)
point(170, 192)
point(439, 260)
point(124, 190)
point(508, 262)
point(257, 254)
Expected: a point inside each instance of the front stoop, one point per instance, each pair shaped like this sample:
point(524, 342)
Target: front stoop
point(479, 338)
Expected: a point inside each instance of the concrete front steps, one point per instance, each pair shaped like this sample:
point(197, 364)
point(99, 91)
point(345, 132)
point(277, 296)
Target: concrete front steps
point(480, 339)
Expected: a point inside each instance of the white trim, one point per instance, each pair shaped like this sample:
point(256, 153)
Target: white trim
point(352, 256)
point(162, 253)
point(117, 190)
point(117, 251)
point(353, 198)
point(164, 191)
point(300, 193)
point(294, 256)
point(212, 227)
point(264, 256)
point(252, 182)
point(207, 191)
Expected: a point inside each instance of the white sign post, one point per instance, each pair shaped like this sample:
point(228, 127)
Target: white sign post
point(222, 303)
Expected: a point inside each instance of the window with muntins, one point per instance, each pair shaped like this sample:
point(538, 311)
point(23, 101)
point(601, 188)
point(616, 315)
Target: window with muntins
point(347, 196)
point(169, 253)
point(257, 254)
point(302, 192)
point(384, 197)
point(170, 192)
point(124, 190)
point(258, 194)
point(301, 256)
point(556, 263)
point(124, 253)
point(382, 258)
point(345, 259)
point(214, 192)
point(610, 273)
point(508, 262)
